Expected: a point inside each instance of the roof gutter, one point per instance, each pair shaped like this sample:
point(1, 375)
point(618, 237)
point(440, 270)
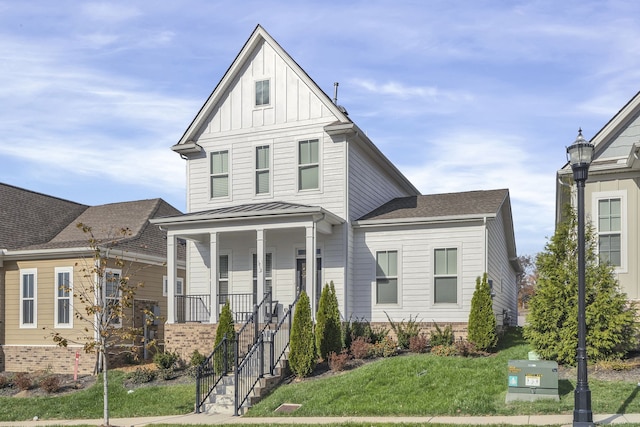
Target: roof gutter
point(421, 221)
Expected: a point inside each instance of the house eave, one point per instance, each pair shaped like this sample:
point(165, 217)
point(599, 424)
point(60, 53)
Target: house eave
point(421, 221)
point(187, 148)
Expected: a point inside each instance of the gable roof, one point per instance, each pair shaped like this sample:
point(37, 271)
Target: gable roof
point(29, 218)
point(259, 36)
point(439, 206)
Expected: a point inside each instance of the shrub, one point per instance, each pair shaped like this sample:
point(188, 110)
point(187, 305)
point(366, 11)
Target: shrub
point(23, 380)
point(337, 362)
point(385, 348)
point(165, 360)
point(302, 355)
point(404, 331)
point(142, 375)
point(168, 374)
point(373, 334)
point(361, 348)
point(418, 344)
point(50, 383)
point(328, 331)
point(347, 334)
point(465, 348)
point(443, 350)
point(5, 382)
point(226, 327)
point(196, 358)
point(482, 320)
point(441, 336)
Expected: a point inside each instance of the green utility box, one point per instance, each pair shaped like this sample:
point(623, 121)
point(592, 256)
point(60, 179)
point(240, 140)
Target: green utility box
point(531, 380)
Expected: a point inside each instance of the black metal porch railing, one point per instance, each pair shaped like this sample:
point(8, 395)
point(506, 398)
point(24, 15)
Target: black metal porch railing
point(241, 305)
point(214, 368)
point(193, 308)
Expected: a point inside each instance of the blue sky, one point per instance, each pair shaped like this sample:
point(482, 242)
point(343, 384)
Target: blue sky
point(460, 95)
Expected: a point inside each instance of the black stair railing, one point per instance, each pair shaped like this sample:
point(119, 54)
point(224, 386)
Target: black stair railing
point(215, 367)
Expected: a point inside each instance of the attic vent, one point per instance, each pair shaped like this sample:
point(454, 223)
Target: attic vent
point(335, 99)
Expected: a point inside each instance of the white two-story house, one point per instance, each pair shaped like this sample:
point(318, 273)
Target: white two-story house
point(285, 193)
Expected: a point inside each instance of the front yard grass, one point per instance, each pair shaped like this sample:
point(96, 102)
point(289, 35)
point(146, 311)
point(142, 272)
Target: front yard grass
point(425, 384)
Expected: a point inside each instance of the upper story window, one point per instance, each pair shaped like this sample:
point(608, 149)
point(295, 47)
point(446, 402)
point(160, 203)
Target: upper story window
point(610, 231)
point(387, 277)
point(262, 93)
point(63, 297)
point(263, 170)
point(29, 298)
point(445, 277)
point(308, 165)
point(220, 174)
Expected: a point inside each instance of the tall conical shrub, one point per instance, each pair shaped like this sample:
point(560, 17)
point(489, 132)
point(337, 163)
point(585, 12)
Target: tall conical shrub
point(328, 329)
point(225, 327)
point(302, 355)
point(482, 321)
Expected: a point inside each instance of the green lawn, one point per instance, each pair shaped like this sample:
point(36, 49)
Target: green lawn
point(420, 385)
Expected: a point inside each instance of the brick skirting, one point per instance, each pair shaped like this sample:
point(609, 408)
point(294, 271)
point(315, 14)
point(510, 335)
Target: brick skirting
point(184, 338)
point(58, 360)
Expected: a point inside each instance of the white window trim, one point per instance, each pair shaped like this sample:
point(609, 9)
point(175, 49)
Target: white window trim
point(622, 195)
point(56, 298)
point(229, 175)
point(255, 171)
point(24, 272)
point(432, 299)
point(269, 104)
point(297, 157)
point(374, 283)
point(165, 285)
point(228, 253)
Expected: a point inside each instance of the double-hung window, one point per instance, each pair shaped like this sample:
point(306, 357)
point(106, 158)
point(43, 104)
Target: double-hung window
point(179, 286)
point(387, 277)
point(610, 231)
point(262, 93)
point(113, 296)
point(223, 278)
point(268, 271)
point(63, 297)
point(28, 298)
point(445, 277)
point(263, 171)
point(308, 165)
point(219, 174)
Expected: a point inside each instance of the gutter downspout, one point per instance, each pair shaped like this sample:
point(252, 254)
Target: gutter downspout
point(486, 245)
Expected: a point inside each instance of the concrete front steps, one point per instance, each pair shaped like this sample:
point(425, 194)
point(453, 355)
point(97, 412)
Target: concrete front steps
point(222, 398)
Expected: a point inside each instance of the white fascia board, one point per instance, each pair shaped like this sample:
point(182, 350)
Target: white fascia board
point(418, 221)
point(314, 210)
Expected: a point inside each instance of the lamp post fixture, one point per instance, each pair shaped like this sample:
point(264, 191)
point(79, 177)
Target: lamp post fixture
point(580, 155)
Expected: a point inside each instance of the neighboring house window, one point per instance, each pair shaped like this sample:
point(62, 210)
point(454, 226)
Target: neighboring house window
point(445, 278)
point(308, 166)
point(220, 174)
point(179, 286)
point(262, 93)
point(63, 297)
point(28, 298)
point(387, 277)
point(610, 231)
point(268, 269)
point(223, 278)
point(263, 172)
point(112, 294)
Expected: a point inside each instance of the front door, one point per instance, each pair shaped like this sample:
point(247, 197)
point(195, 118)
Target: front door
point(301, 277)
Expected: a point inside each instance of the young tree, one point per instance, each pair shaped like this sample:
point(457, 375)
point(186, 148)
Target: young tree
point(527, 280)
point(552, 327)
point(226, 328)
point(328, 329)
point(103, 296)
point(482, 320)
point(302, 355)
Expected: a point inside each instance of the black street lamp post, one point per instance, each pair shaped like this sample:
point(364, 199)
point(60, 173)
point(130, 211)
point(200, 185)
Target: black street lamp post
point(580, 154)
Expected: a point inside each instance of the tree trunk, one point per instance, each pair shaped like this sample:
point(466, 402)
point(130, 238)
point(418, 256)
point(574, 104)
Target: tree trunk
point(105, 391)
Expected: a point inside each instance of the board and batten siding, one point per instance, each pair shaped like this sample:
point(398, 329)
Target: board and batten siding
point(415, 245)
point(370, 186)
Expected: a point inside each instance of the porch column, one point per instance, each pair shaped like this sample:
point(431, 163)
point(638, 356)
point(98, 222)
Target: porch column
point(310, 254)
point(260, 259)
point(171, 278)
point(213, 277)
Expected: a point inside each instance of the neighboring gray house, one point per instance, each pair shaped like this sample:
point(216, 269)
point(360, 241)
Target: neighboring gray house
point(285, 192)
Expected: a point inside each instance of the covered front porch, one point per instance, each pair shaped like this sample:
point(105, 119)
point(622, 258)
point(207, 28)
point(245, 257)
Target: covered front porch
point(247, 255)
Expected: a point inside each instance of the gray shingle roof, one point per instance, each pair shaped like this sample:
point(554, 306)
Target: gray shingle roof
point(440, 205)
point(28, 218)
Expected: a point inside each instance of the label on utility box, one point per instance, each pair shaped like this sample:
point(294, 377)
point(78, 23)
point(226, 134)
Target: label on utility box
point(532, 380)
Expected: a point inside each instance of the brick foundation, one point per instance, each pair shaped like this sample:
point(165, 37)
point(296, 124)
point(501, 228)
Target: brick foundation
point(58, 360)
point(184, 338)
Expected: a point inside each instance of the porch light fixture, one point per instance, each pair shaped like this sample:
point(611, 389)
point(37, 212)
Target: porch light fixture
point(580, 155)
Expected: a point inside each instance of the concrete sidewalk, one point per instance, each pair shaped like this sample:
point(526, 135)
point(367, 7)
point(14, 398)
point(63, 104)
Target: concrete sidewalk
point(219, 419)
